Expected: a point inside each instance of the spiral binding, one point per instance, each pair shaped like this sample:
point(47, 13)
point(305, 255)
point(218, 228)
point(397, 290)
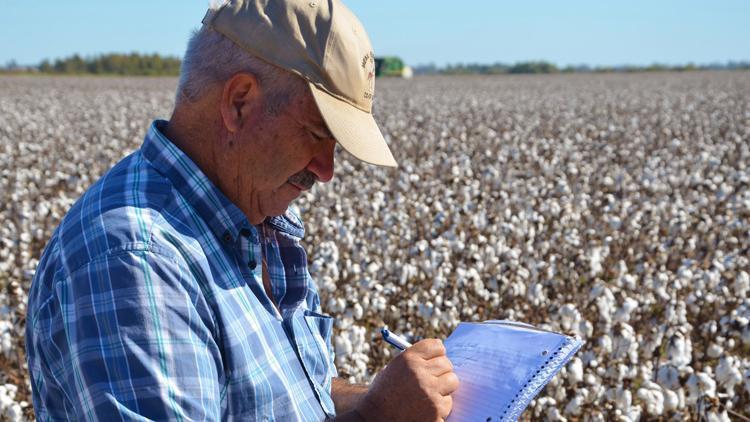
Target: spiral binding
point(540, 378)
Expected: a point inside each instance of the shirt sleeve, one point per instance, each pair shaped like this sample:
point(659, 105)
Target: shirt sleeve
point(130, 335)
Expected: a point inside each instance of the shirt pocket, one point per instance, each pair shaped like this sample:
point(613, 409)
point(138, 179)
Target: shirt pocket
point(317, 354)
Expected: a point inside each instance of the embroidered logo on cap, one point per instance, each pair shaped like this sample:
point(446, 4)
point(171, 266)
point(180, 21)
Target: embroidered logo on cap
point(368, 64)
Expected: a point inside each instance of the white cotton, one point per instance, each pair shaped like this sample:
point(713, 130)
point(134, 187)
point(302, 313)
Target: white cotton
point(574, 406)
point(569, 317)
point(625, 344)
point(671, 401)
point(6, 338)
point(596, 256)
point(604, 209)
point(714, 351)
point(623, 398)
point(623, 313)
point(741, 284)
point(631, 413)
point(652, 396)
point(728, 373)
point(575, 371)
point(699, 385)
point(357, 311)
point(9, 408)
point(605, 343)
point(717, 416)
point(554, 414)
point(679, 350)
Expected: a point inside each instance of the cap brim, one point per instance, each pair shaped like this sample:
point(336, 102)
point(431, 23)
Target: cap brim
point(354, 129)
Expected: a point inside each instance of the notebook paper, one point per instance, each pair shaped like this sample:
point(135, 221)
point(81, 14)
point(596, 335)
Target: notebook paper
point(501, 366)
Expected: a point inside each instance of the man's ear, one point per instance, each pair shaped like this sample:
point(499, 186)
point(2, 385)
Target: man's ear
point(240, 101)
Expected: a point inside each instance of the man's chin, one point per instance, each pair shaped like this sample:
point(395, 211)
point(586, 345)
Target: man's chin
point(280, 200)
point(277, 209)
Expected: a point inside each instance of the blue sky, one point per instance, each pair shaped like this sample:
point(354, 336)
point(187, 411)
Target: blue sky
point(439, 31)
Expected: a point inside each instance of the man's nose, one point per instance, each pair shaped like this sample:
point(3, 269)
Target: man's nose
point(322, 162)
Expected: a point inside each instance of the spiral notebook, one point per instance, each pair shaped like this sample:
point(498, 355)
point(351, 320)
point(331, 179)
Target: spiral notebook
point(501, 366)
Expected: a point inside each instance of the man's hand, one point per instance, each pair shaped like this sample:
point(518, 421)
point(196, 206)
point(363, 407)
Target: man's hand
point(415, 386)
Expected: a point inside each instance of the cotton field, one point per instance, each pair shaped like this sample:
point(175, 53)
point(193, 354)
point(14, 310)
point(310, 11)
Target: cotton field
point(613, 206)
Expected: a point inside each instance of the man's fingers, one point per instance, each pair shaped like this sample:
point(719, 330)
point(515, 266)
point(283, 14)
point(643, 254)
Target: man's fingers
point(439, 366)
point(444, 406)
point(428, 348)
point(447, 383)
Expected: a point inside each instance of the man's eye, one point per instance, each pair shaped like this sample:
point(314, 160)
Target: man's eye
point(316, 137)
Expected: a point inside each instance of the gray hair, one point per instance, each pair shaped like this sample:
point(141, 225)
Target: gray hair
point(211, 58)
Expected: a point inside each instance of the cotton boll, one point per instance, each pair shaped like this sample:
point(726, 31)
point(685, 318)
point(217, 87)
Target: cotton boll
point(575, 371)
point(700, 385)
point(624, 343)
point(574, 406)
point(651, 395)
point(536, 294)
point(553, 414)
point(569, 317)
point(596, 255)
point(679, 351)
point(605, 303)
point(541, 405)
point(6, 338)
point(671, 401)
point(728, 373)
point(623, 398)
point(343, 347)
point(592, 381)
point(357, 311)
point(596, 416)
point(9, 408)
point(741, 284)
point(714, 350)
point(633, 413)
point(623, 314)
point(721, 416)
point(628, 282)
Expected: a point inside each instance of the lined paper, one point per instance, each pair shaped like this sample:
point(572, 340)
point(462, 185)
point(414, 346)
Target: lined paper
point(502, 366)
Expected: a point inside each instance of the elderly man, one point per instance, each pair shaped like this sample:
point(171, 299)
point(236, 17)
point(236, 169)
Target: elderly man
point(176, 287)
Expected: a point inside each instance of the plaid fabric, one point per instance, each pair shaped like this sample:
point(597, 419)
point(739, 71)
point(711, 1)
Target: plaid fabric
point(148, 304)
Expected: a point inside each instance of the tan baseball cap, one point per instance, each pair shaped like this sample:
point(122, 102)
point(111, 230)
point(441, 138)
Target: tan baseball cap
point(323, 42)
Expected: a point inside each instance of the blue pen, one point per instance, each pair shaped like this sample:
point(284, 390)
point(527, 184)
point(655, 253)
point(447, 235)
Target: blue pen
point(395, 340)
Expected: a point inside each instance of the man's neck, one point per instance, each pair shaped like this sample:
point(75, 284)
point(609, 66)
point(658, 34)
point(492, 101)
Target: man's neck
point(201, 141)
point(194, 141)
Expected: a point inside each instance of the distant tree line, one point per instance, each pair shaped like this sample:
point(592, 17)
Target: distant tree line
point(106, 64)
point(135, 64)
point(547, 67)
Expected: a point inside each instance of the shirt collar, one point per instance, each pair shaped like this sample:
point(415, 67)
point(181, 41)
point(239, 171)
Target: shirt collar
point(223, 217)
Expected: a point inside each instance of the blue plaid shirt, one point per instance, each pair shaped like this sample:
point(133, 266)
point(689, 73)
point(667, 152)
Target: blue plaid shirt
point(148, 303)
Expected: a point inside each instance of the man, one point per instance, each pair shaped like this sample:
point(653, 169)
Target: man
point(176, 287)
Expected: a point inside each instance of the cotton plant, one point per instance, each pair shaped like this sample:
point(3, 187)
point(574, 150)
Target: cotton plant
point(10, 409)
point(613, 207)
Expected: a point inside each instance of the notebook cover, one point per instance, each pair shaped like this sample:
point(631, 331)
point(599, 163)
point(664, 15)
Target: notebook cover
point(502, 366)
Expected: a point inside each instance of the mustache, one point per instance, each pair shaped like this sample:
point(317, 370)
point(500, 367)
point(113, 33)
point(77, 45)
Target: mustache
point(304, 179)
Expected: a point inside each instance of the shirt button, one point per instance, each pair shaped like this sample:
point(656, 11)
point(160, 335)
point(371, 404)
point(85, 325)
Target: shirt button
point(227, 237)
point(252, 264)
